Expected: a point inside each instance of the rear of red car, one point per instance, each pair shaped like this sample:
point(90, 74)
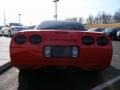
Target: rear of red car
point(59, 48)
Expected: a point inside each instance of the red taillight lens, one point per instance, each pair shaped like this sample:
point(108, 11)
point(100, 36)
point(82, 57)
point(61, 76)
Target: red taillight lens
point(20, 39)
point(102, 41)
point(35, 39)
point(87, 40)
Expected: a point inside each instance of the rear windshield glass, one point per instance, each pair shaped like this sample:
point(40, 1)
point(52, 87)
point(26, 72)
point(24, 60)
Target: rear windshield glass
point(60, 25)
point(15, 24)
point(112, 29)
point(108, 30)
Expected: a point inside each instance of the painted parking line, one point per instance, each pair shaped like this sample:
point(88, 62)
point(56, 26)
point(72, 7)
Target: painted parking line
point(116, 55)
point(106, 84)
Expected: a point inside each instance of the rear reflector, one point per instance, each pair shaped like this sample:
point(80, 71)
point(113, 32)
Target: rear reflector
point(74, 52)
point(47, 51)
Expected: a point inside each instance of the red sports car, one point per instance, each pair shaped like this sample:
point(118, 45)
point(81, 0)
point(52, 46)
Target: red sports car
point(60, 44)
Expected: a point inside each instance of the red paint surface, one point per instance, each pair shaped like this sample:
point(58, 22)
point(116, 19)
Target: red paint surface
point(29, 56)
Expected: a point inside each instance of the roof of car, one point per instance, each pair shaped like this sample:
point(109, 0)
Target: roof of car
point(44, 23)
point(48, 23)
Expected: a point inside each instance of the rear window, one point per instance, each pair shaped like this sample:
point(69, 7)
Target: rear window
point(112, 30)
point(57, 25)
point(96, 30)
point(108, 30)
point(15, 24)
point(100, 30)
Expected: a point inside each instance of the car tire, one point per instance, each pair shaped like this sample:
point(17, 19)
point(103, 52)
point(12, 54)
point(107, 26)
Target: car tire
point(29, 79)
point(9, 34)
point(118, 39)
point(22, 80)
point(3, 33)
point(112, 37)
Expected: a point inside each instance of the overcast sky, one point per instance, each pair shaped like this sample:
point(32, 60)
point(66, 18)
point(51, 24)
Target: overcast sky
point(34, 11)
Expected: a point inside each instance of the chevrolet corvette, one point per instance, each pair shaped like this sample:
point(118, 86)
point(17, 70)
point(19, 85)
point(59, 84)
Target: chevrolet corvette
point(60, 44)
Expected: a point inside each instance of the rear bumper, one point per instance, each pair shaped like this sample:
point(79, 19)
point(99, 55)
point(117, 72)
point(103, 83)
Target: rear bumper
point(81, 66)
point(88, 59)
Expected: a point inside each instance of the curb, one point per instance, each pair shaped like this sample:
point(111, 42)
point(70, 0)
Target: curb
point(5, 67)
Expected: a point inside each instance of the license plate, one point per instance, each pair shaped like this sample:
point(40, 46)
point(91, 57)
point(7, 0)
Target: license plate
point(61, 51)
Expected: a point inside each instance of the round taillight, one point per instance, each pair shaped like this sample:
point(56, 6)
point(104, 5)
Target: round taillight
point(20, 39)
point(35, 39)
point(87, 40)
point(102, 41)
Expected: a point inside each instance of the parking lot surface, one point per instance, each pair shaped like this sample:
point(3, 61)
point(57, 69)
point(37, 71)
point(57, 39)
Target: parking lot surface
point(108, 79)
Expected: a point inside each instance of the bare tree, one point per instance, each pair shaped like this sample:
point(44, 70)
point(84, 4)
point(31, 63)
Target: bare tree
point(103, 18)
point(96, 20)
point(74, 19)
point(117, 16)
point(109, 18)
point(81, 20)
point(90, 19)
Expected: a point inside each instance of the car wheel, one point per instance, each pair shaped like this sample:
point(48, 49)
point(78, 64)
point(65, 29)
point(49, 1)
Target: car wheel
point(112, 37)
point(9, 34)
point(118, 38)
point(22, 80)
point(3, 33)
